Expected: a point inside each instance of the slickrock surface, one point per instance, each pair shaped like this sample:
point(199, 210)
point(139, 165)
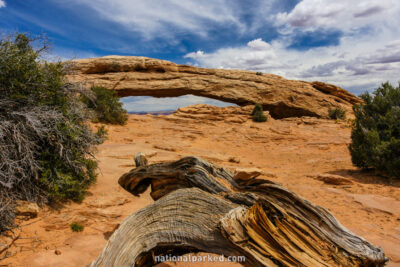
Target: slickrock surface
point(140, 76)
point(293, 152)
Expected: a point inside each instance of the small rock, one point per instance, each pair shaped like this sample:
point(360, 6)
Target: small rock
point(57, 252)
point(234, 160)
point(140, 160)
point(333, 179)
point(236, 120)
point(246, 174)
point(27, 209)
point(171, 149)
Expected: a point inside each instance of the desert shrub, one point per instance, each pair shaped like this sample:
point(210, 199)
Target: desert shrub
point(258, 114)
point(77, 227)
point(46, 146)
point(259, 73)
point(107, 106)
point(257, 108)
point(337, 114)
point(376, 131)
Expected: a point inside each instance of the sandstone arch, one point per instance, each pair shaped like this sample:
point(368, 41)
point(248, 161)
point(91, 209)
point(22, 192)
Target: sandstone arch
point(140, 76)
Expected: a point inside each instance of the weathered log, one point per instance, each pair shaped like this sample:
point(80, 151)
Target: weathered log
point(200, 207)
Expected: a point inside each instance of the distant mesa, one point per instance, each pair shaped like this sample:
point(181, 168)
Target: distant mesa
point(141, 76)
point(161, 112)
point(209, 113)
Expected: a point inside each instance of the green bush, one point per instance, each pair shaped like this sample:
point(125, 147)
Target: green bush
point(77, 227)
point(376, 131)
point(259, 73)
point(24, 79)
point(337, 114)
point(258, 114)
point(107, 106)
point(46, 145)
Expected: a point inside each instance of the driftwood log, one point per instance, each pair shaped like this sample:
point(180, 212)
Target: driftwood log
point(201, 207)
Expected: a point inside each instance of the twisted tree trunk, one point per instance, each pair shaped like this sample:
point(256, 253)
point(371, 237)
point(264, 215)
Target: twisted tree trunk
point(201, 207)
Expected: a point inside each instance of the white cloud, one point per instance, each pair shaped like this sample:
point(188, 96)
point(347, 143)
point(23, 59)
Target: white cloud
point(197, 54)
point(2, 3)
point(172, 18)
point(152, 17)
point(346, 15)
point(259, 45)
point(257, 55)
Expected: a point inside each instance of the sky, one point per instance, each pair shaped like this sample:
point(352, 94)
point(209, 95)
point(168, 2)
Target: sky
point(148, 104)
point(351, 43)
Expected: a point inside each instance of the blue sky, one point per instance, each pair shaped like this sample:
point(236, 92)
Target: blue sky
point(148, 104)
point(351, 43)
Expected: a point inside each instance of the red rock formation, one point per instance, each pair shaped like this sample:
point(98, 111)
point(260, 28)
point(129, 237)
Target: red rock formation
point(140, 76)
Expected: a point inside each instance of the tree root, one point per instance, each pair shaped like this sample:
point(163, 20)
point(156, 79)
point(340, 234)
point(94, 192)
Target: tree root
point(200, 207)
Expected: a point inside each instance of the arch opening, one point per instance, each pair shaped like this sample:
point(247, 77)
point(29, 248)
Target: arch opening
point(166, 105)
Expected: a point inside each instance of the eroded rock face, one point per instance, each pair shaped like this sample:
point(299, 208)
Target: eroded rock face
point(27, 209)
point(141, 76)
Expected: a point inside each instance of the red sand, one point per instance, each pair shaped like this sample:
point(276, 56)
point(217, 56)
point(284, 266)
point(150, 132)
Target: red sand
point(290, 152)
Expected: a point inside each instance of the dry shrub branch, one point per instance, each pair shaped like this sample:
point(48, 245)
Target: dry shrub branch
point(46, 145)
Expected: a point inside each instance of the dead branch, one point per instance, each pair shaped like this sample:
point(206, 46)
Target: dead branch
point(15, 238)
point(201, 207)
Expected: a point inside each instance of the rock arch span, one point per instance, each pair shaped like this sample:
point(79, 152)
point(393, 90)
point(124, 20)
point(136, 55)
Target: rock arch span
point(141, 76)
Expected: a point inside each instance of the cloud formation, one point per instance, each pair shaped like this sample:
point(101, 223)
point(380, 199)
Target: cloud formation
point(339, 14)
point(2, 3)
point(351, 43)
point(257, 55)
point(166, 17)
point(356, 46)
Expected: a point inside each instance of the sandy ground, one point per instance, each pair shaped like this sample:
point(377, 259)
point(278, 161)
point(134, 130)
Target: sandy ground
point(290, 152)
